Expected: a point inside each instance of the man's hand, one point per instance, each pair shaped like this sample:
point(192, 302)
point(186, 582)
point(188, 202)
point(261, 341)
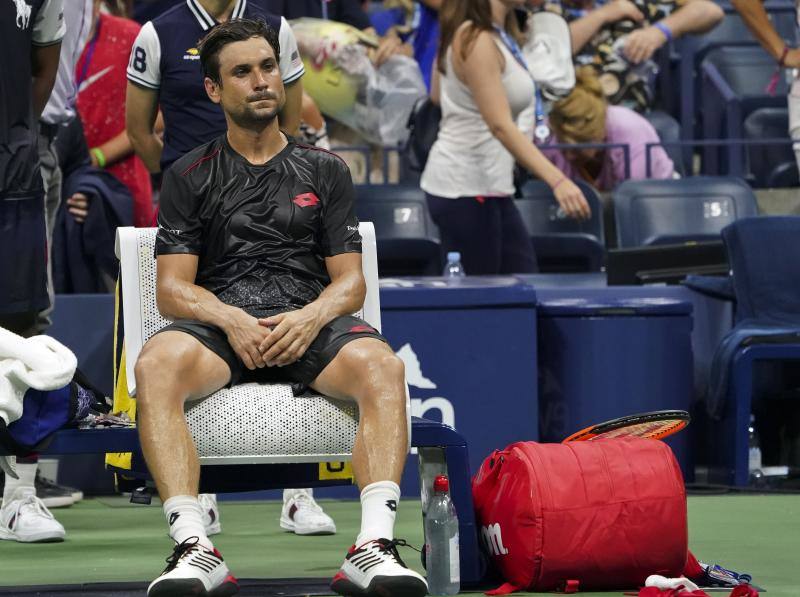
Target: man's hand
point(245, 336)
point(642, 44)
point(620, 10)
point(292, 333)
point(78, 206)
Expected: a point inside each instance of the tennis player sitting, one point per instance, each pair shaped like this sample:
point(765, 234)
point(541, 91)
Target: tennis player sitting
point(259, 267)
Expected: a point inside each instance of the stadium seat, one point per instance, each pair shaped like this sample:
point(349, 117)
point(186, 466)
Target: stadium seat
point(669, 131)
point(764, 160)
point(734, 80)
point(408, 240)
point(561, 243)
point(653, 212)
point(767, 329)
point(693, 49)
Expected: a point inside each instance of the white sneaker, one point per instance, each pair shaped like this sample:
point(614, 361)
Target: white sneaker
point(208, 502)
point(27, 520)
point(194, 570)
point(303, 516)
point(376, 570)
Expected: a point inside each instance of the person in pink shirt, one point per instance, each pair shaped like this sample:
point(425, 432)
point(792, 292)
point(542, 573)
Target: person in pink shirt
point(584, 116)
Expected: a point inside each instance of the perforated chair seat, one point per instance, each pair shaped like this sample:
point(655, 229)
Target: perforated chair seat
point(252, 421)
point(248, 423)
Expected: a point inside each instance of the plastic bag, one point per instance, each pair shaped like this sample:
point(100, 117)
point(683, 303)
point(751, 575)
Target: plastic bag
point(548, 52)
point(344, 83)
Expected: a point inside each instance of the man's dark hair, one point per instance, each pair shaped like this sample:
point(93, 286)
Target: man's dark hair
point(229, 32)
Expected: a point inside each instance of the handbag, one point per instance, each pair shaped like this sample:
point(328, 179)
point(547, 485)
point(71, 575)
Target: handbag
point(423, 128)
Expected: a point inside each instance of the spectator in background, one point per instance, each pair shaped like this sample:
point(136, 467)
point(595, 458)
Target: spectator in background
point(584, 116)
point(30, 36)
point(350, 12)
point(100, 77)
point(417, 23)
point(619, 38)
point(164, 70)
point(468, 178)
point(757, 20)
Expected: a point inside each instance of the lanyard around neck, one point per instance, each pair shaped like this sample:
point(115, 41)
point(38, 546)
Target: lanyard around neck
point(542, 131)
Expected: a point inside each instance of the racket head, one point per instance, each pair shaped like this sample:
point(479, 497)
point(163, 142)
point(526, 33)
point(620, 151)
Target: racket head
point(656, 424)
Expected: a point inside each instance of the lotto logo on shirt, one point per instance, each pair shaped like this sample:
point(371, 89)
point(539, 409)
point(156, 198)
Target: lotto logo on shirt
point(305, 200)
point(192, 54)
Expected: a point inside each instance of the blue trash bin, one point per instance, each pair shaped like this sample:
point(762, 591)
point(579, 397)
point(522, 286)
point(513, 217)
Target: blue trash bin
point(599, 360)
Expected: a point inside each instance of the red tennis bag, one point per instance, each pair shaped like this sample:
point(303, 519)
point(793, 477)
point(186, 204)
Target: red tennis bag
point(593, 515)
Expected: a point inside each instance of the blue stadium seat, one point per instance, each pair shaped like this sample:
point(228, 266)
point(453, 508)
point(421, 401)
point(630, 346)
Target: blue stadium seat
point(764, 160)
point(693, 49)
point(655, 212)
point(562, 244)
point(408, 240)
point(733, 85)
point(668, 131)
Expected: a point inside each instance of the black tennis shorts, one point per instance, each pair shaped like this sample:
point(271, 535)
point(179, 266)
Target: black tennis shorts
point(302, 372)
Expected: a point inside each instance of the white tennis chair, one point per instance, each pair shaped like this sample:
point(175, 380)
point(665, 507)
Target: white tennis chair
point(248, 423)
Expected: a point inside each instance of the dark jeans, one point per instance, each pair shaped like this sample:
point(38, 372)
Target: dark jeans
point(487, 231)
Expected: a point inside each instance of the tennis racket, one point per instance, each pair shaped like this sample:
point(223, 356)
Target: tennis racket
point(657, 424)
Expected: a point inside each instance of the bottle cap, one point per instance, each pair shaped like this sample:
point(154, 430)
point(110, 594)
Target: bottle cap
point(453, 256)
point(440, 483)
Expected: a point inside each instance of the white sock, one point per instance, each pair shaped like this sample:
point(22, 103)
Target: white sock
point(185, 519)
point(378, 508)
point(27, 477)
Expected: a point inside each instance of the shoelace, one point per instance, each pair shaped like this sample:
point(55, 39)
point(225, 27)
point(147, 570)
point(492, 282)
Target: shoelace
point(390, 547)
point(32, 504)
point(180, 550)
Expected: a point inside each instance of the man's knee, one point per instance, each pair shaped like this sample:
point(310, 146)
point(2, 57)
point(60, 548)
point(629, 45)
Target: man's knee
point(165, 357)
point(376, 368)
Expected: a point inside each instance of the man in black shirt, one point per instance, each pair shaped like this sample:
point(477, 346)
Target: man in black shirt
point(259, 267)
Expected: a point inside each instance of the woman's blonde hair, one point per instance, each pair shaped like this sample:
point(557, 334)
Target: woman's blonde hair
point(581, 116)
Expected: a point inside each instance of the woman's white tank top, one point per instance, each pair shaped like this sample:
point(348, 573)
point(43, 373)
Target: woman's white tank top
point(466, 159)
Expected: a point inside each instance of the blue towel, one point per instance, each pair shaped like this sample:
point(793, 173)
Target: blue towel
point(764, 253)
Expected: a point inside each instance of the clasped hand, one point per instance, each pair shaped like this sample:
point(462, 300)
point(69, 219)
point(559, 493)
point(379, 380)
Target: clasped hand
point(272, 341)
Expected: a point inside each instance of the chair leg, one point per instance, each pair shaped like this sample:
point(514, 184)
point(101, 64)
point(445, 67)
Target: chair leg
point(742, 386)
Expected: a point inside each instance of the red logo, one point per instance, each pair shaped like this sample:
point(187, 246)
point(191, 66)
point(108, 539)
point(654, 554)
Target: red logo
point(361, 328)
point(305, 200)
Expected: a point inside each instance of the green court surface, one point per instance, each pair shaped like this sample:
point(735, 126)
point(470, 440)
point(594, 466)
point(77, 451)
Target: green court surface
point(109, 539)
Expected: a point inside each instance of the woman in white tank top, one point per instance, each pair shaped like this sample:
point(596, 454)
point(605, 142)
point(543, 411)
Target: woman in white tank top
point(468, 178)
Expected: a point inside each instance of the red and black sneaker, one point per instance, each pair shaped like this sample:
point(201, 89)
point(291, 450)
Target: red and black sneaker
point(375, 569)
point(193, 570)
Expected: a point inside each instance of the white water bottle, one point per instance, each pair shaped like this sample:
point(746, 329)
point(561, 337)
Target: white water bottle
point(441, 541)
point(454, 269)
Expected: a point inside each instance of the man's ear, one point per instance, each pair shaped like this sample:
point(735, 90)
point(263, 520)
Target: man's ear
point(212, 90)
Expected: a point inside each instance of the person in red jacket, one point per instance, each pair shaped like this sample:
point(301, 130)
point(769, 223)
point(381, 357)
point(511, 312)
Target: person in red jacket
point(101, 81)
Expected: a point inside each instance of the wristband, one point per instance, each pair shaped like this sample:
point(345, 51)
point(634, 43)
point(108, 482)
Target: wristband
point(560, 180)
point(783, 56)
point(664, 29)
point(99, 156)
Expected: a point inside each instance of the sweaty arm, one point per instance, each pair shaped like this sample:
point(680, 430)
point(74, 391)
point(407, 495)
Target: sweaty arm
point(481, 72)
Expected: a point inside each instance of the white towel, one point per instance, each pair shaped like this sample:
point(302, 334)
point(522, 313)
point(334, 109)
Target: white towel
point(664, 583)
point(40, 362)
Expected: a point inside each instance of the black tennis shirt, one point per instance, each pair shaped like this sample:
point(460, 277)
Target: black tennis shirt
point(261, 232)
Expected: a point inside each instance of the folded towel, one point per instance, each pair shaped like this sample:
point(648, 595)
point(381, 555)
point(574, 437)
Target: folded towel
point(40, 362)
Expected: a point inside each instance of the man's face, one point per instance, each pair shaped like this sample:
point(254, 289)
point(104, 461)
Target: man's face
point(251, 90)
